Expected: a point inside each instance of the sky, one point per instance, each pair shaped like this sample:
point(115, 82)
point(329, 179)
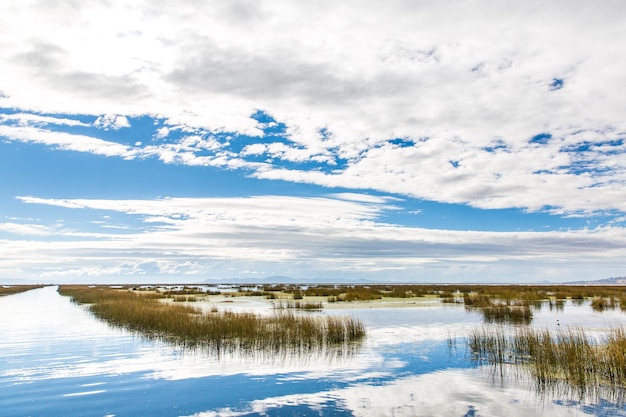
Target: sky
point(404, 141)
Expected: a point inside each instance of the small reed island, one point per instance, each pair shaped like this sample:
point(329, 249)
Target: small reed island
point(219, 331)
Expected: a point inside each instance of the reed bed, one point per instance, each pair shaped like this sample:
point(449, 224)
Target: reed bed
point(185, 299)
point(473, 294)
point(569, 357)
point(299, 305)
point(502, 313)
point(217, 331)
point(15, 289)
point(601, 303)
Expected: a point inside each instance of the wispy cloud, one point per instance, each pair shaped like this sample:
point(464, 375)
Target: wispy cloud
point(26, 229)
point(307, 236)
point(67, 141)
point(27, 119)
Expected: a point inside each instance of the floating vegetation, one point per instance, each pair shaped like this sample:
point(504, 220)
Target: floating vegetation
point(15, 289)
point(216, 331)
point(567, 360)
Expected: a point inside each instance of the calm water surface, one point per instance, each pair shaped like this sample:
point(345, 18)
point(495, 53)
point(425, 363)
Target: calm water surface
point(57, 360)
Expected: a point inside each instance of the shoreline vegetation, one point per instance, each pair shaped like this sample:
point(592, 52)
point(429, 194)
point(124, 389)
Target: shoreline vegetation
point(562, 359)
point(513, 304)
point(16, 289)
point(216, 331)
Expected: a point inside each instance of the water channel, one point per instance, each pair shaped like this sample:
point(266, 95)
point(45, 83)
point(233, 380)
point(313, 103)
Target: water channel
point(56, 359)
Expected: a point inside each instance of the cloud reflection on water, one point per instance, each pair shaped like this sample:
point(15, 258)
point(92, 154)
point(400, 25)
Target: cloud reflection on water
point(53, 348)
point(450, 393)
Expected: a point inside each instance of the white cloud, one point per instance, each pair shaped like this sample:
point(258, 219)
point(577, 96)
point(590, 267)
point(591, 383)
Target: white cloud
point(254, 149)
point(525, 176)
point(444, 393)
point(362, 72)
point(163, 132)
point(66, 141)
point(305, 238)
point(25, 229)
point(465, 88)
point(111, 121)
point(363, 198)
point(28, 119)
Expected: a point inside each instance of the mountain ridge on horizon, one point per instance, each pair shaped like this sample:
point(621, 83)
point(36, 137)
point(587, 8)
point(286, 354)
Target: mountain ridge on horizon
point(283, 279)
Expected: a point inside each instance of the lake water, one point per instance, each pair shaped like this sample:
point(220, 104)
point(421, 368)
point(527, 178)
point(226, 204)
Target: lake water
point(58, 360)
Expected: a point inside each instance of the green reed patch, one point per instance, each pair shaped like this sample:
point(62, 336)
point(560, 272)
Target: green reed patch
point(218, 331)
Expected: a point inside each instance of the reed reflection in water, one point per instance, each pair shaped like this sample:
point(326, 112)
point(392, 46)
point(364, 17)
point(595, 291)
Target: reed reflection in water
point(227, 331)
point(56, 359)
point(567, 362)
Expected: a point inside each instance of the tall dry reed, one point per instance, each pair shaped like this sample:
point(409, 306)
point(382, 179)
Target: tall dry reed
point(569, 356)
point(218, 331)
point(15, 289)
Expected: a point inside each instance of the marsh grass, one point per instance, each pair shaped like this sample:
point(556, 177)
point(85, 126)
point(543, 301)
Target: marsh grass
point(601, 304)
point(477, 300)
point(185, 298)
point(15, 289)
point(218, 331)
point(186, 290)
point(568, 358)
point(451, 300)
point(299, 305)
point(473, 295)
point(502, 313)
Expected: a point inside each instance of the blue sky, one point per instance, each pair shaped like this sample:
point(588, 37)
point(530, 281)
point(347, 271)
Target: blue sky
point(453, 141)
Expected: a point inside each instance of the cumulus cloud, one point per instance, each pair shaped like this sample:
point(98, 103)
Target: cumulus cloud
point(111, 121)
point(477, 82)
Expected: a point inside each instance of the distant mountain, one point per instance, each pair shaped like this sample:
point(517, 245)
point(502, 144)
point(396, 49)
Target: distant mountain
point(277, 279)
point(281, 279)
point(605, 281)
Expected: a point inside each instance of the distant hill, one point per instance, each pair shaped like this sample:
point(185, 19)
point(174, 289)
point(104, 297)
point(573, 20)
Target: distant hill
point(281, 279)
point(605, 281)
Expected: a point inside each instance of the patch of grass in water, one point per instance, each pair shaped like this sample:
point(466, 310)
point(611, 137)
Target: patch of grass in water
point(502, 313)
point(601, 304)
point(217, 331)
point(567, 360)
point(299, 305)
